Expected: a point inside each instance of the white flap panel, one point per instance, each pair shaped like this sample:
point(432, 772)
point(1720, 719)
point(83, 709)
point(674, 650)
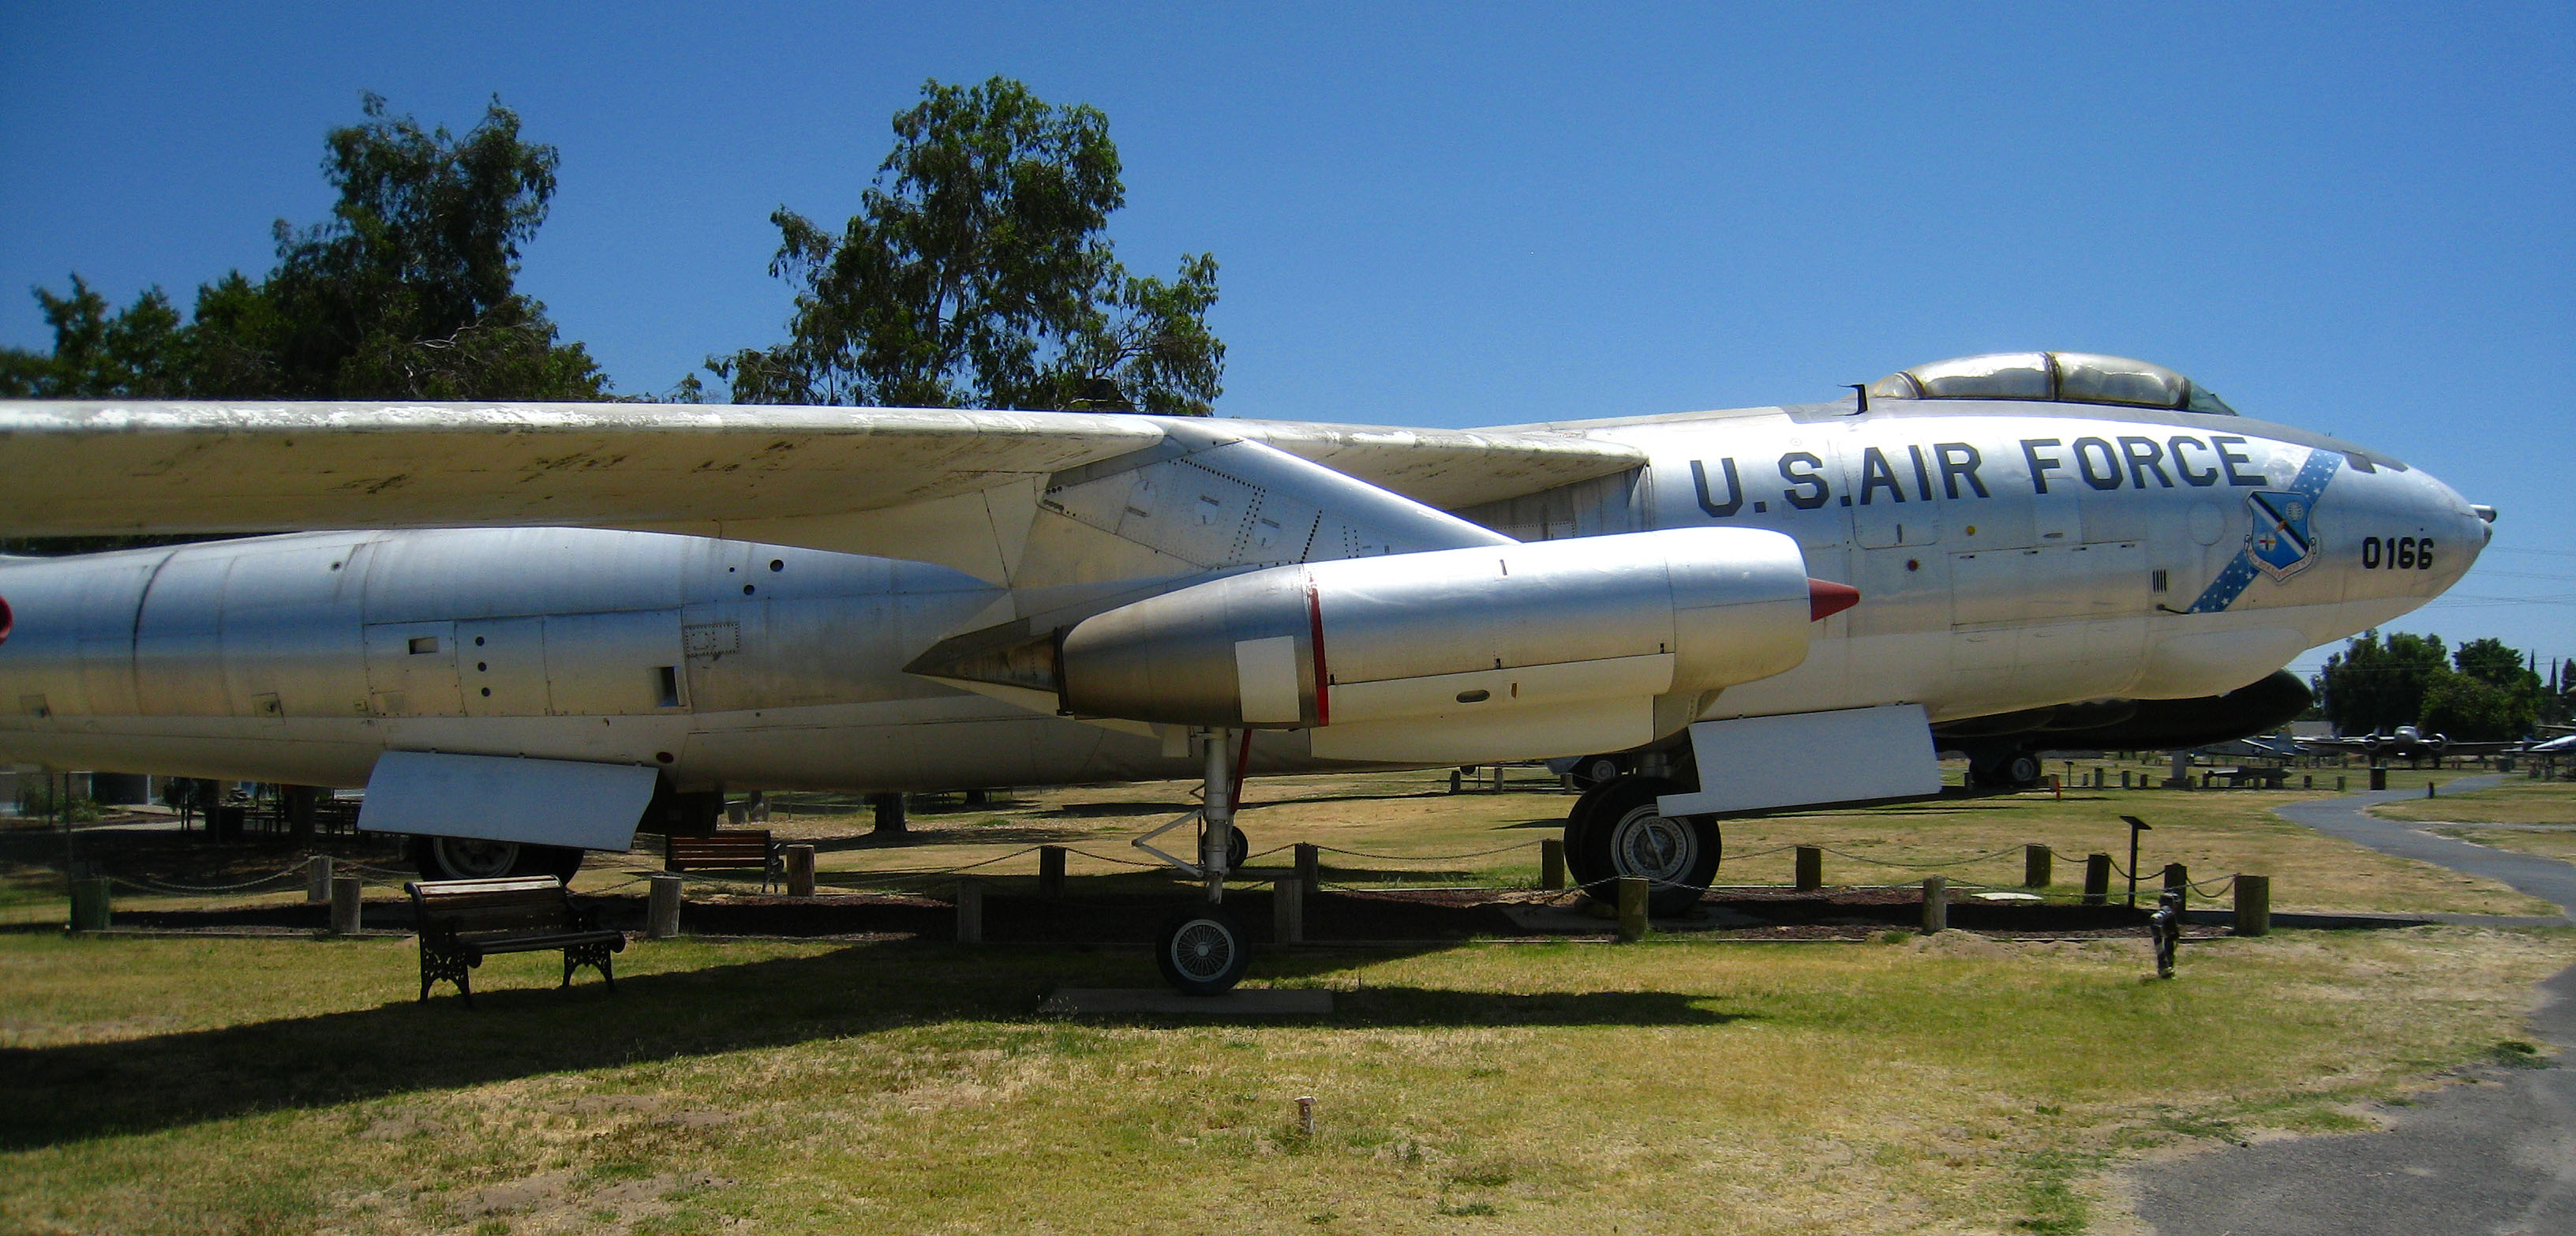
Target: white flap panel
point(504, 798)
point(1852, 755)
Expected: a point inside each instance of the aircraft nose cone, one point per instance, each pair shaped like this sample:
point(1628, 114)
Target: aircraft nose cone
point(7, 620)
point(1825, 598)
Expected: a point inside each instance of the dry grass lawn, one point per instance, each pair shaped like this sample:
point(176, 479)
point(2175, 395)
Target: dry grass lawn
point(1949, 1084)
point(1952, 1084)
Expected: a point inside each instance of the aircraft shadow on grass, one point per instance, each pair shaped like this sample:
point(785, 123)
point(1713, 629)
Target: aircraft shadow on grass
point(75, 1092)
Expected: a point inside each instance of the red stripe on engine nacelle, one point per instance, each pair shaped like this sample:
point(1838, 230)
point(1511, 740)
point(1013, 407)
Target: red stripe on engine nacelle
point(1825, 598)
point(1315, 636)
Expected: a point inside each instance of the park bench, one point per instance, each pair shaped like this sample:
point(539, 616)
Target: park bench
point(463, 921)
point(726, 849)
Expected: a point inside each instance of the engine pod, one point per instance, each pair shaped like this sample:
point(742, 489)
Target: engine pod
point(1627, 617)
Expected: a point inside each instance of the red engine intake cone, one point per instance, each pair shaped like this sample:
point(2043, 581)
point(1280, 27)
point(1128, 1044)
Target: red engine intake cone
point(7, 620)
point(1825, 598)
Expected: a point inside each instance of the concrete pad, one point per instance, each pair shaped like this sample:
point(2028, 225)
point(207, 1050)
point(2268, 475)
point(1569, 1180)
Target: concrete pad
point(1241, 1002)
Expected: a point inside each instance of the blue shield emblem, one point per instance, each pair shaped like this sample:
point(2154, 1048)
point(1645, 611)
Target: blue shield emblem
point(2280, 543)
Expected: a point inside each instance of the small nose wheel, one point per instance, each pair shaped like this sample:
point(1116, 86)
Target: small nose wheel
point(1202, 951)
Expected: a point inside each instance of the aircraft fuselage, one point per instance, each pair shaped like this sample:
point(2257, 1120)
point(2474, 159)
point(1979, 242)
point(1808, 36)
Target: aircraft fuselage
point(2010, 555)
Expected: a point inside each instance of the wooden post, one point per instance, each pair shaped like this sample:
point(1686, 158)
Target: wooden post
point(2178, 876)
point(2308, 781)
point(2097, 879)
point(2037, 866)
point(891, 813)
point(800, 871)
point(1551, 863)
point(1498, 778)
point(2253, 906)
point(1310, 867)
point(2338, 783)
point(662, 907)
point(89, 904)
point(1050, 871)
point(1632, 907)
point(2378, 778)
point(1811, 868)
point(1936, 903)
point(1306, 1115)
point(2124, 778)
point(2428, 790)
point(317, 879)
point(970, 911)
point(1288, 911)
point(347, 901)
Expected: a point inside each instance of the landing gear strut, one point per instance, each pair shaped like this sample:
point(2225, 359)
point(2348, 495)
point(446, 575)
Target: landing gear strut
point(1202, 950)
point(1616, 830)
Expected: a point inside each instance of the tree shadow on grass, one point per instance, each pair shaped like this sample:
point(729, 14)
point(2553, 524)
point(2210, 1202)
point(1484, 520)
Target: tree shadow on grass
point(75, 1092)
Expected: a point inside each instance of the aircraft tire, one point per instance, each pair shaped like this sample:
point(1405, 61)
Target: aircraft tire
point(2022, 770)
point(1238, 849)
point(464, 858)
point(1202, 951)
point(560, 861)
point(1622, 834)
point(1592, 770)
point(2007, 770)
point(1579, 865)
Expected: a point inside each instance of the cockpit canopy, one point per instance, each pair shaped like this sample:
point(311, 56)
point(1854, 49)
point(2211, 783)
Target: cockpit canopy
point(2060, 377)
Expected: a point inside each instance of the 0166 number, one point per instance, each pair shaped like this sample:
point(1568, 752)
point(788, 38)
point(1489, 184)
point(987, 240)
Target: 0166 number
point(2402, 553)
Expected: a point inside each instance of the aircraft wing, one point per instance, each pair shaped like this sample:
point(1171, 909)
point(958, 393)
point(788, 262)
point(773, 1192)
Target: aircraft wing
point(1451, 469)
point(107, 468)
point(952, 486)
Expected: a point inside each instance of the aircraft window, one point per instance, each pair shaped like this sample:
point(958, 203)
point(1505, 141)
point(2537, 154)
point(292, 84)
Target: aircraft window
point(2068, 377)
point(2208, 401)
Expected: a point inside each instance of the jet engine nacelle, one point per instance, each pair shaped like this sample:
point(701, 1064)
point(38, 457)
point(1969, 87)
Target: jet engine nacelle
point(1561, 634)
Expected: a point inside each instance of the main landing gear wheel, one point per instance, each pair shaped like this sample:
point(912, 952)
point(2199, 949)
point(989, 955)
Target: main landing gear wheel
point(1237, 848)
point(1594, 770)
point(2012, 770)
point(1615, 831)
point(469, 858)
point(1202, 951)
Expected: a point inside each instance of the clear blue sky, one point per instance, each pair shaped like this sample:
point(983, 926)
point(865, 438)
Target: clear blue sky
point(2357, 218)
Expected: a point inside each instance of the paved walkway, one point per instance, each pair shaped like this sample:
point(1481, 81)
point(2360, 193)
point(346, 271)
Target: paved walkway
point(2497, 1154)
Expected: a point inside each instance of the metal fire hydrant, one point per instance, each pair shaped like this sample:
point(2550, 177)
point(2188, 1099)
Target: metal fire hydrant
point(2166, 925)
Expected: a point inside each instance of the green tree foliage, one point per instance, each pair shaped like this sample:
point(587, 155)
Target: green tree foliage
point(406, 292)
point(2484, 692)
point(977, 274)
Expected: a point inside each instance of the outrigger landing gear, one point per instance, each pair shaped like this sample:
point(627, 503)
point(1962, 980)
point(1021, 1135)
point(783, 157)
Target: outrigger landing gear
point(1202, 950)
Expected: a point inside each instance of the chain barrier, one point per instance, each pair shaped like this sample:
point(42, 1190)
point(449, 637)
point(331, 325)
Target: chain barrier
point(155, 886)
point(1425, 858)
point(1889, 862)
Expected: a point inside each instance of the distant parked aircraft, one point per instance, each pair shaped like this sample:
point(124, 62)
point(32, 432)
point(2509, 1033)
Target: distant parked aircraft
point(2408, 743)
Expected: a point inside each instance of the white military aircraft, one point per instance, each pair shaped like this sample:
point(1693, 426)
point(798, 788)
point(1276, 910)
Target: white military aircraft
point(566, 618)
